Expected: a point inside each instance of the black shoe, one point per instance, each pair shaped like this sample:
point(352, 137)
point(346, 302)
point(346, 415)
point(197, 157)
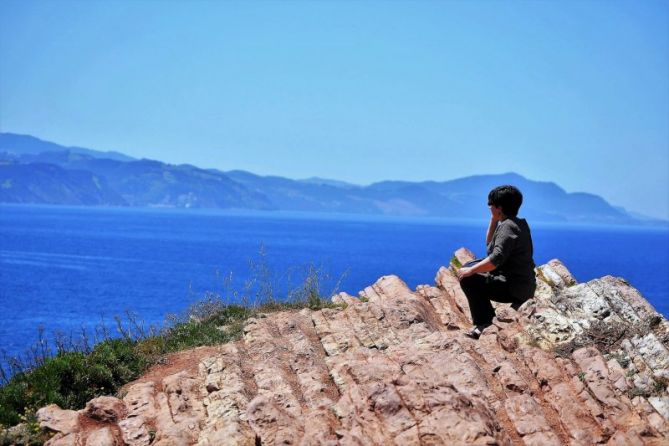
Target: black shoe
point(475, 332)
point(516, 305)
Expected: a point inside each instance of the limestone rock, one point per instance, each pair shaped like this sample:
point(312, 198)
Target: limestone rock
point(580, 364)
point(101, 437)
point(134, 431)
point(56, 419)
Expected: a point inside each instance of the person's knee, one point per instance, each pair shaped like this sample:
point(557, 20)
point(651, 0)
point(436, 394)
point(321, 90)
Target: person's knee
point(468, 283)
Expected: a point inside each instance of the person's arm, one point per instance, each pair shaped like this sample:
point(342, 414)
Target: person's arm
point(491, 229)
point(483, 266)
point(504, 243)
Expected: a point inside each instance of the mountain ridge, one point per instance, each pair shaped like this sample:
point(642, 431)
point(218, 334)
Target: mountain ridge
point(28, 144)
point(147, 182)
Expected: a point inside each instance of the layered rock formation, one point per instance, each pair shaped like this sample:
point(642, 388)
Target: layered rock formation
point(580, 364)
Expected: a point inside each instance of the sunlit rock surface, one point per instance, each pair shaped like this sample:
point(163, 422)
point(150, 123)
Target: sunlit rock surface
point(580, 364)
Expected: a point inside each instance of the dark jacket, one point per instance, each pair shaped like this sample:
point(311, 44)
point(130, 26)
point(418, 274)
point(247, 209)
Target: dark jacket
point(511, 251)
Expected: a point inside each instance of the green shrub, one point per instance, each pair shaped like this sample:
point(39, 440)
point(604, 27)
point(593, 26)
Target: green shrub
point(71, 379)
point(219, 327)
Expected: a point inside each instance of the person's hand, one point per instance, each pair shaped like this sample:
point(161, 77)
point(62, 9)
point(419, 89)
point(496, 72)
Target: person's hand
point(465, 271)
point(495, 214)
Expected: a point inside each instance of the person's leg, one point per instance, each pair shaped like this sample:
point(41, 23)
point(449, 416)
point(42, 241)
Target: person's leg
point(476, 289)
point(499, 291)
point(480, 290)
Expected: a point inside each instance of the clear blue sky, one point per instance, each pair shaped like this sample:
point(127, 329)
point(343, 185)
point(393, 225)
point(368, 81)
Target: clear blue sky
point(571, 92)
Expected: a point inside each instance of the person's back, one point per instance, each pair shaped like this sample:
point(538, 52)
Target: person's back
point(518, 267)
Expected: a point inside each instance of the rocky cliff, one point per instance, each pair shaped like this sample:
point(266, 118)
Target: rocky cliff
point(580, 364)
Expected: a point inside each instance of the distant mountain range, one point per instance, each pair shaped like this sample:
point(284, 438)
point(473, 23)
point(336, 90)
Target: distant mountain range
point(24, 144)
point(36, 171)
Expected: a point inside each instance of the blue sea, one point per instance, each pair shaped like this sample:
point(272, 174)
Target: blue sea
point(64, 268)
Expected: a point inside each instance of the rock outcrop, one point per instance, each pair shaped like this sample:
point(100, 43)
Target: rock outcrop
point(580, 364)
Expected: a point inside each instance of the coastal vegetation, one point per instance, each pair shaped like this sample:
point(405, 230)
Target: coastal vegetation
point(72, 371)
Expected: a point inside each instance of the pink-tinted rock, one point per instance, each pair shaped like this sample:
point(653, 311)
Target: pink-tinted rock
point(448, 281)
point(580, 364)
point(63, 440)
point(625, 439)
point(464, 255)
point(581, 426)
point(529, 421)
point(101, 437)
point(106, 408)
point(56, 419)
point(509, 377)
point(134, 431)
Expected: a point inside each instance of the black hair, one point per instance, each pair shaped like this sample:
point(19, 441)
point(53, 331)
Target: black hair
point(506, 197)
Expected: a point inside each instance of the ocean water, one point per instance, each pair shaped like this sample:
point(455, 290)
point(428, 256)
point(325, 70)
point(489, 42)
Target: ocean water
point(64, 268)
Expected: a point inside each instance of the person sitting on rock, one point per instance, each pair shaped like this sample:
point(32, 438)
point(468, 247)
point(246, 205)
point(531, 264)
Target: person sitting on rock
point(507, 274)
